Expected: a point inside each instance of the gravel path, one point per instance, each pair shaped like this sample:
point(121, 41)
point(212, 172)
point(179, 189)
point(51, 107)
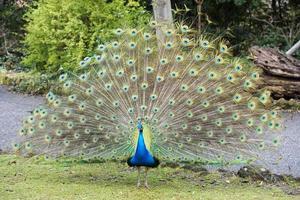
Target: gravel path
point(13, 107)
point(289, 151)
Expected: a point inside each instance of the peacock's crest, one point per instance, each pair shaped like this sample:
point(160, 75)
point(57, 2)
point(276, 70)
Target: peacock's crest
point(197, 102)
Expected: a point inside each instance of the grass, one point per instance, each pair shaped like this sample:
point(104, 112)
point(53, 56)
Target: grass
point(27, 179)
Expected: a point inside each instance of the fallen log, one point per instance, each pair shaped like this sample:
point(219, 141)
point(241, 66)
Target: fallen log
point(282, 87)
point(281, 73)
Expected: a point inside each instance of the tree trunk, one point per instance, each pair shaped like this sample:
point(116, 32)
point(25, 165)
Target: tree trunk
point(281, 72)
point(163, 15)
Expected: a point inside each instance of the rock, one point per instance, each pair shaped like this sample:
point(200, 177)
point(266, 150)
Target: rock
point(258, 174)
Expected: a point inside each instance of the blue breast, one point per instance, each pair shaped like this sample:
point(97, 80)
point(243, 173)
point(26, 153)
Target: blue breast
point(142, 156)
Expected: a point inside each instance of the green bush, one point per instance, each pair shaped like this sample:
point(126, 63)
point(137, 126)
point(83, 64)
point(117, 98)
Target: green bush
point(61, 32)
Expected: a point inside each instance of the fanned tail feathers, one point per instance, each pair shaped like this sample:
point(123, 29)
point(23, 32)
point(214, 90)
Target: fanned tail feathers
point(195, 97)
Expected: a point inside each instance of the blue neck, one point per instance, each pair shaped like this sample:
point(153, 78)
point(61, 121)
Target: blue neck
point(141, 149)
point(142, 157)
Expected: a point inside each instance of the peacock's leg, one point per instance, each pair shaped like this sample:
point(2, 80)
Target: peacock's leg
point(146, 173)
point(139, 175)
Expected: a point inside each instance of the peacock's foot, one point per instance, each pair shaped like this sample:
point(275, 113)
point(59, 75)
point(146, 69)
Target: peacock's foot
point(139, 176)
point(146, 178)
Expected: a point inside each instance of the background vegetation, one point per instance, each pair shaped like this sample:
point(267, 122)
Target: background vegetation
point(272, 23)
point(61, 32)
point(51, 36)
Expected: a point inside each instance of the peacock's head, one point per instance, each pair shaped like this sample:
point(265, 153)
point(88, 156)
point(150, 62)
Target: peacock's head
point(140, 126)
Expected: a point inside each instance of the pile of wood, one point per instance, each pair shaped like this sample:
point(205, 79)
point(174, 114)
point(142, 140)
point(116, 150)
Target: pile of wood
point(281, 72)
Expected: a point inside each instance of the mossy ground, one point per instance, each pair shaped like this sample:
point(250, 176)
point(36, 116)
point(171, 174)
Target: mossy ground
point(27, 179)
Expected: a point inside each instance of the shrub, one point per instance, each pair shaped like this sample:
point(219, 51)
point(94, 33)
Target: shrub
point(61, 32)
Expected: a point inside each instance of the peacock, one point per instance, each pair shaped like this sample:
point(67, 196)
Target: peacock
point(181, 97)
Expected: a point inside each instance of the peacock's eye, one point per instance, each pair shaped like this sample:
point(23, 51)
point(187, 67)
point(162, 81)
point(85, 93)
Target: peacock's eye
point(185, 41)
point(132, 45)
point(134, 97)
point(116, 103)
point(119, 31)
point(171, 102)
point(82, 63)
point(184, 87)
point(101, 47)
point(153, 23)
point(174, 74)
point(149, 69)
point(163, 61)
point(143, 107)
point(147, 36)
point(63, 77)
point(133, 77)
point(261, 145)
point(155, 110)
point(184, 28)
point(87, 59)
point(169, 33)
point(125, 88)
point(144, 85)
point(159, 78)
point(204, 44)
point(197, 57)
point(169, 45)
point(218, 60)
point(254, 76)
point(130, 62)
point(179, 58)
point(116, 57)
point(148, 51)
point(98, 58)
point(133, 32)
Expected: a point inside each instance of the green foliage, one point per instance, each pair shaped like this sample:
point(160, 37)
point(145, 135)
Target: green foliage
point(10, 22)
point(11, 33)
point(61, 32)
point(246, 23)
